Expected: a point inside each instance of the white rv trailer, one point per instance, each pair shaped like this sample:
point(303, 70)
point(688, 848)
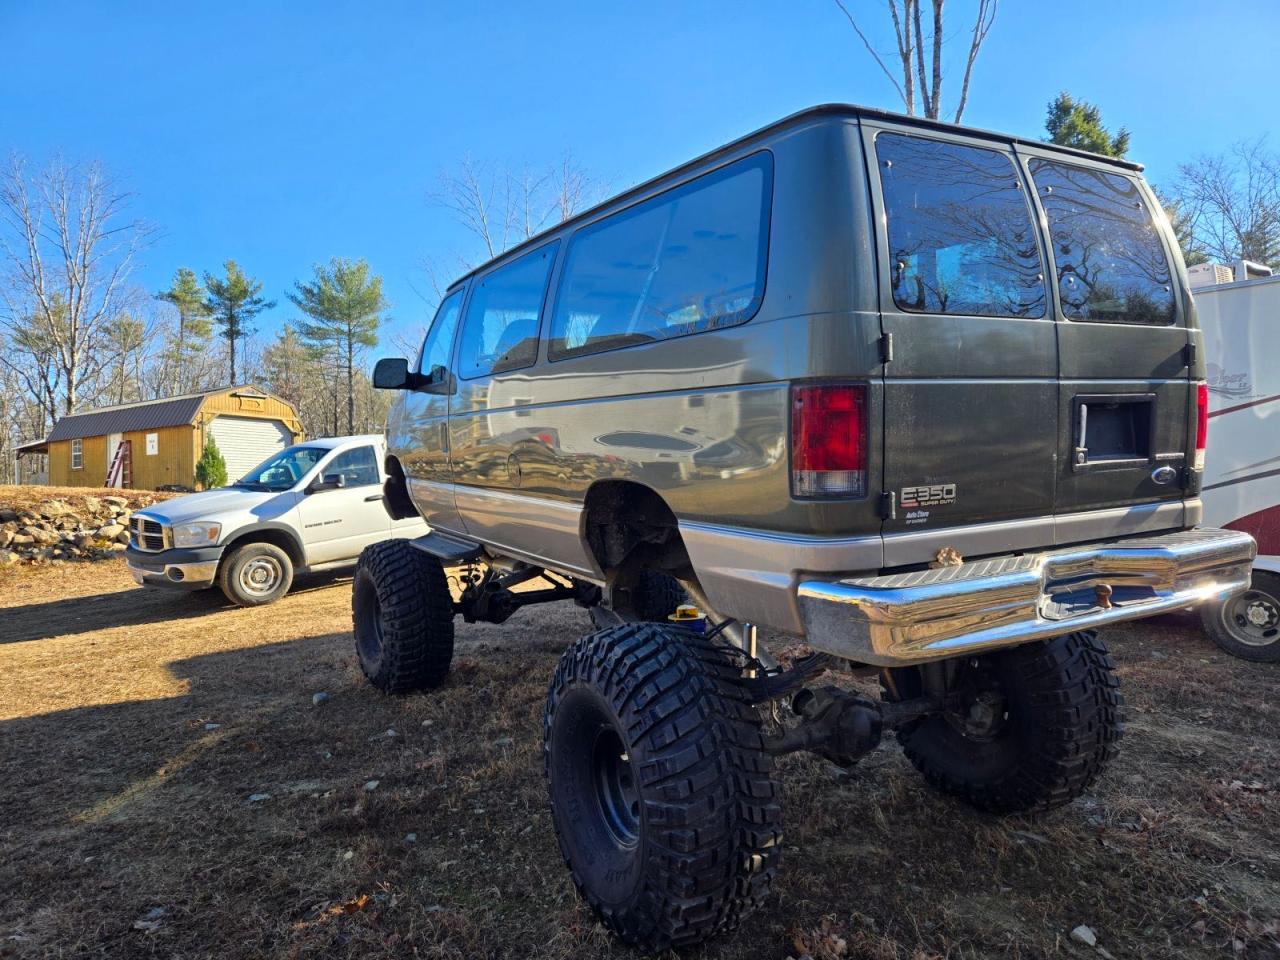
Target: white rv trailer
point(1240, 321)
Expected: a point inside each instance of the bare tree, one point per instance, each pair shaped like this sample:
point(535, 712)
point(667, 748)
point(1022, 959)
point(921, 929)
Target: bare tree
point(1231, 203)
point(919, 76)
point(68, 245)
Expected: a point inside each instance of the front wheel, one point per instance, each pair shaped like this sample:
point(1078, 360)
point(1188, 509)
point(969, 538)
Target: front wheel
point(256, 574)
point(1248, 625)
point(1025, 729)
point(662, 798)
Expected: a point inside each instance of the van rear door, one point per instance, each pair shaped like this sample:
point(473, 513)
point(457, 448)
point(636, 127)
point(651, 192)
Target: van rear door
point(1126, 403)
point(970, 392)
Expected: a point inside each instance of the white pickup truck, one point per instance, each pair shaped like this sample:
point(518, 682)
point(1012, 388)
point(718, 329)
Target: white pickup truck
point(312, 505)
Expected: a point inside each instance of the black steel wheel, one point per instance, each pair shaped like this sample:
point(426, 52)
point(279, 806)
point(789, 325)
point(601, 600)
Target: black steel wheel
point(657, 595)
point(1025, 729)
point(1248, 625)
point(663, 802)
point(402, 616)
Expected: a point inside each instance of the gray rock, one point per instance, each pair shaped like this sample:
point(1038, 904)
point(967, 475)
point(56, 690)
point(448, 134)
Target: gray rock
point(503, 742)
point(319, 698)
point(110, 531)
point(54, 508)
point(1083, 934)
point(8, 557)
point(372, 785)
point(7, 516)
point(92, 504)
point(213, 726)
point(116, 501)
point(259, 797)
point(410, 838)
point(118, 547)
point(6, 538)
point(122, 537)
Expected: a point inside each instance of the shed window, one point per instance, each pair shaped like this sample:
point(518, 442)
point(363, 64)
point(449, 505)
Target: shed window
point(153, 444)
point(77, 454)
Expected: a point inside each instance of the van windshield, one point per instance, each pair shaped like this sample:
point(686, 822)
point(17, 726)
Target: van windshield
point(283, 470)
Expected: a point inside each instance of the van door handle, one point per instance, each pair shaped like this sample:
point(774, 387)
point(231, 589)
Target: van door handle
point(372, 497)
point(444, 437)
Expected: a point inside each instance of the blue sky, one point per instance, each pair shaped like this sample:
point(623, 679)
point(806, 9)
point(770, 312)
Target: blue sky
point(281, 134)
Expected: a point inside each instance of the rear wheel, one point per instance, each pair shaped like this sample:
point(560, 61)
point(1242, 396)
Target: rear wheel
point(402, 615)
point(1026, 729)
point(657, 595)
point(662, 798)
point(256, 574)
point(1248, 625)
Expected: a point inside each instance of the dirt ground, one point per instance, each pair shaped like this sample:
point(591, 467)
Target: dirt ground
point(135, 726)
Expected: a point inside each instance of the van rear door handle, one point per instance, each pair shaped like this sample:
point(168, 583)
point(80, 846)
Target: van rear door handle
point(372, 497)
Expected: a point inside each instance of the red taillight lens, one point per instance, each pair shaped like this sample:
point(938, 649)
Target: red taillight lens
point(1202, 422)
point(829, 440)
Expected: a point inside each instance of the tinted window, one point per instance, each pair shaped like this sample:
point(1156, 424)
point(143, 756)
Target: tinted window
point(692, 259)
point(1111, 263)
point(500, 331)
point(961, 239)
point(358, 467)
point(439, 340)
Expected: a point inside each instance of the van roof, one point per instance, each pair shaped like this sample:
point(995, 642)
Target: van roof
point(812, 113)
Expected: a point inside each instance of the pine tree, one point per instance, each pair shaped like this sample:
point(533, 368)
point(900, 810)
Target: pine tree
point(192, 335)
point(1077, 123)
point(233, 302)
point(345, 305)
point(211, 469)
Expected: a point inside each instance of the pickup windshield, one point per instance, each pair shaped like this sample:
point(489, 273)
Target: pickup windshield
point(283, 470)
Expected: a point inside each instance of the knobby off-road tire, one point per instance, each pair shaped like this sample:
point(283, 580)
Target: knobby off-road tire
point(1060, 717)
point(657, 595)
point(1248, 625)
point(256, 574)
point(663, 801)
point(402, 615)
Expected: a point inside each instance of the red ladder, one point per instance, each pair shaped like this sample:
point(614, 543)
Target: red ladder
point(120, 473)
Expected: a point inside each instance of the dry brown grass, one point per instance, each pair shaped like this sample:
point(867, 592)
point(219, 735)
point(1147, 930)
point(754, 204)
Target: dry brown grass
point(117, 800)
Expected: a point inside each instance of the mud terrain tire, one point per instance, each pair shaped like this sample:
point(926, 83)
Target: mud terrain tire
point(402, 615)
point(657, 595)
point(663, 801)
point(1060, 717)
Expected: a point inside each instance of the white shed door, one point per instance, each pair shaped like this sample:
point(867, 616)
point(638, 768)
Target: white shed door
point(245, 442)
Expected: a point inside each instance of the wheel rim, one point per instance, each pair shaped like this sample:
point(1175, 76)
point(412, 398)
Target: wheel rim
point(977, 708)
point(368, 622)
point(261, 576)
point(616, 788)
point(1253, 618)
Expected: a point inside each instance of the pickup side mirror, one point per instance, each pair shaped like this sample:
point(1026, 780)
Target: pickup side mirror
point(332, 481)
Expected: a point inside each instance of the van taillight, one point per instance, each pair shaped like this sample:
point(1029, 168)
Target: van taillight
point(1202, 422)
point(829, 440)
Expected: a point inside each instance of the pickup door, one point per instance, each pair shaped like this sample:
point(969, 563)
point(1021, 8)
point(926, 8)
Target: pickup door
point(339, 522)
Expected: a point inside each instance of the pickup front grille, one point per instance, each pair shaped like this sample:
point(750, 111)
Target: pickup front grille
point(146, 534)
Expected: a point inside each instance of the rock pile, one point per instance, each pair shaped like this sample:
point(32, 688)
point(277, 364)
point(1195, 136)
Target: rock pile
point(56, 530)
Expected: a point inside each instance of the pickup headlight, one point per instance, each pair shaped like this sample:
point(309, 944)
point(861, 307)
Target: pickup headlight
point(196, 534)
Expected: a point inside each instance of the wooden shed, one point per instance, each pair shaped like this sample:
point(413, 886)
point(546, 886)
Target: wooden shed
point(156, 443)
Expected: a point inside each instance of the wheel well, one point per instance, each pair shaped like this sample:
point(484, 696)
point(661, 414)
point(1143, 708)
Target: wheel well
point(628, 528)
point(280, 538)
point(395, 492)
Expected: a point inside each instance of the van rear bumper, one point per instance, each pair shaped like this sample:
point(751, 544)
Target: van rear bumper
point(983, 605)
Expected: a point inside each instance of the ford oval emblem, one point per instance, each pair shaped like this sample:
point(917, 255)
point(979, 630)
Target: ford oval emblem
point(1164, 475)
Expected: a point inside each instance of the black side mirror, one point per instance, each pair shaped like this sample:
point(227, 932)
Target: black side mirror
point(332, 481)
point(392, 373)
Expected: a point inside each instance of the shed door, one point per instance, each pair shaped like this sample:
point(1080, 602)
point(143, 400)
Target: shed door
point(246, 441)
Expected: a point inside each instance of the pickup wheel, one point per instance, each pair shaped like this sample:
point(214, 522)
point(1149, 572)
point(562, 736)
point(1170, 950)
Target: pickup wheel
point(402, 615)
point(1028, 728)
point(663, 801)
point(657, 595)
point(1248, 625)
point(255, 574)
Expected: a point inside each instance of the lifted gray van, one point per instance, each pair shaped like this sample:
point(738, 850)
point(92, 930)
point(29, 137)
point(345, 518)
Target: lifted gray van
point(930, 398)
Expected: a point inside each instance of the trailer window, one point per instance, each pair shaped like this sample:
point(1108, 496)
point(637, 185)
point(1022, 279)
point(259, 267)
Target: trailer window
point(689, 260)
point(1111, 264)
point(961, 239)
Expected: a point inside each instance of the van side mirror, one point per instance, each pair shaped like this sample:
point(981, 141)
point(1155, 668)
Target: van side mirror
point(392, 373)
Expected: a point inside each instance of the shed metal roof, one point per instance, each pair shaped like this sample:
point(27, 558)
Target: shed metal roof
point(144, 415)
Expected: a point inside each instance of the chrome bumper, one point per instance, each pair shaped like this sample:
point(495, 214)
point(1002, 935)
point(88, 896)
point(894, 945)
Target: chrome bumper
point(184, 576)
point(983, 605)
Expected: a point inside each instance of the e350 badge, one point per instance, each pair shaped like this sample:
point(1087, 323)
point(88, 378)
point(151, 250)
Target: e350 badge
point(930, 495)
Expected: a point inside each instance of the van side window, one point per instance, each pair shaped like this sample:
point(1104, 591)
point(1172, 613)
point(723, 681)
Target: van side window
point(500, 331)
point(438, 343)
point(961, 238)
point(689, 260)
point(1111, 264)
